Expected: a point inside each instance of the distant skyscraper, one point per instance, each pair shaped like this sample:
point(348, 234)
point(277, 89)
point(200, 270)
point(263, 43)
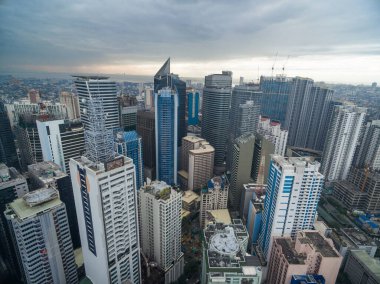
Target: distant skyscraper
point(106, 205)
point(128, 112)
point(60, 141)
point(276, 91)
point(293, 192)
point(97, 87)
point(341, 141)
point(271, 130)
point(215, 114)
point(160, 219)
point(241, 167)
point(213, 196)
point(129, 144)
point(166, 118)
point(148, 98)
point(146, 129)
point(8, 153)
point(368, 152)
point(71, 102)
point(192, 106)
point(34, 96)
point(165, 79)
point(41, 236)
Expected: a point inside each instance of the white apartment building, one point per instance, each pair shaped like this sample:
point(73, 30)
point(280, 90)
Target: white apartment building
point(160, 219)
point(271, 130)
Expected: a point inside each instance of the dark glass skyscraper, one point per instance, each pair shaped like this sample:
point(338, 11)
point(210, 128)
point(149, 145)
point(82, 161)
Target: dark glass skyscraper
point(163, 79)
point(8, 153)
point(192, 107)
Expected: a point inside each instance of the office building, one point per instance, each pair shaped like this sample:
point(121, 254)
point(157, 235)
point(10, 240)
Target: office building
point(60, 141)
point(71, 102)
point(49, 174)
point(192, 106)
point(254, 218)
point(362, 268)
point(129, 144)
point(8, 154)
point(166, 119)
point(41, 236)
point(263, 149)
point(34, 96)
point(12, 186)
point(368, 152)
point(213, 196)
point(292, 195)
point(128, 107)
point(165, 79)
point(106, 205)
point(276, 91)
point(146, 129)
point(197, 162)
point(160, 219)
point(311, 253)
point(272, 131)
point(250, 191)
point(103, 89)
point(215, 114)
point(241, 167)
point(341, 141)
point(224, 255)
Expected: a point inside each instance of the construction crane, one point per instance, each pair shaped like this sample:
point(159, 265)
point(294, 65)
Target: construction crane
point(283, 66)
point(275, 59)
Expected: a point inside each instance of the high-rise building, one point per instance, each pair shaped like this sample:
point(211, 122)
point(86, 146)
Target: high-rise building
point(148, 98)
point(97, 87)
point(197, 161)
point(12, 186)
point(46, 107)
point(166, 119)
point(215, 114)
point(254, 218)
point(276, 91)
point(129, 144)
point(160, 219)
point(8, 154)
point(60, 141)
point(106, 204)
point(165, 79)
point(241, 167)
point(251, 191)
point(263, 149)
point(192, 106)
point(128, 107)
point(311, 253)
point(213, 196)
point(41, 236)
point(368, 152)
point(71, 102)
point(341, 141)
point(146, 129)
point(224, 255)
point(362, 268)
point(292, 195)
point(49, 174)
point(34, 96)
point(272, 131)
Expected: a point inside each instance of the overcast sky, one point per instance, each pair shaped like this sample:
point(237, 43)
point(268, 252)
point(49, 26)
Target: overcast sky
point(330, 40)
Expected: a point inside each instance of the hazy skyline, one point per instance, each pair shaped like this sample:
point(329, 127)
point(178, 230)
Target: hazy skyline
point(328, 41)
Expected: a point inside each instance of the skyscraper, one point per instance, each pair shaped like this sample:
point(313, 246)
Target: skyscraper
point(273, 132)
point(8, 153)
point(192, 106)
point(106, 205)
point(215, 114)
point(263, 149)
point(293, 192)
point(128, 112)
point(61, 140)
point(165, 79)
point(160, 219)
point(166, 119)
point(241, 167)
point(341, 141)
point(103, 89)
point(41, 236)
point(71, 102)
point(129, 144)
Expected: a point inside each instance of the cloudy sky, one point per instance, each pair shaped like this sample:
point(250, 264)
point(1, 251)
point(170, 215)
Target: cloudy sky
point(330, 40)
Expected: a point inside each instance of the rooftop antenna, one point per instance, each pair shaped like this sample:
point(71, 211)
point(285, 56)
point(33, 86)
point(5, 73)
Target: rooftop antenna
point(275, 59)
point(283, 66)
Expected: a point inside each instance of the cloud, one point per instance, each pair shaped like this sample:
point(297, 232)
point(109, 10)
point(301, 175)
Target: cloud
point(94, 34)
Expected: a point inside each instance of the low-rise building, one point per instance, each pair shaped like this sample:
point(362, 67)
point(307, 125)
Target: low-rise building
point(190, 200)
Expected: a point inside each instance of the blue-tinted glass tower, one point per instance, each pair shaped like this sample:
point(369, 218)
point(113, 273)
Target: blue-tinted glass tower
point(192, 107)
point(129, 144)
point(166, 119)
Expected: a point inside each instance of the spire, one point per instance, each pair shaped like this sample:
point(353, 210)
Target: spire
point(164, 70)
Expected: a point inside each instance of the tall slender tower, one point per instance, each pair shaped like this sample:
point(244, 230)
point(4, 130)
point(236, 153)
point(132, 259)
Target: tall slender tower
point(166, 102)
point(105, 199)
point(341, 141)
point(215, 114)
point(292, 195)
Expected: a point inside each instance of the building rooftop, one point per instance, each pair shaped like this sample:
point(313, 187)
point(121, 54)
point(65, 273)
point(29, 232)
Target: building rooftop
point(189, 196)
point(46, 171)
point(319, 243)
point(291, 255)
point(218, 216)
point(160, 189)
point(357, 237)
point(9, 177)
point(90, 77)
point(217, 182)
point(290, 162)
point(34, 203)
point(183, 174)
point(204, 147)
point(193, 139)
point(372, 264)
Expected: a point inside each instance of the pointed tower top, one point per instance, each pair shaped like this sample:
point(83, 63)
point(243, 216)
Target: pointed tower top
point(164, 70)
